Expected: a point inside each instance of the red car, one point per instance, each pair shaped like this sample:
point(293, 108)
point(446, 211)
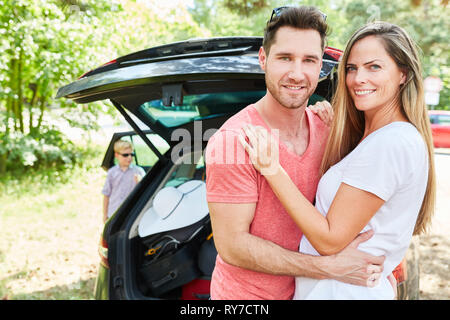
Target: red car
point(440, 128)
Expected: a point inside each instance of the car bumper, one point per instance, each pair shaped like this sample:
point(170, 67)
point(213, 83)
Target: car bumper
point(101, 290)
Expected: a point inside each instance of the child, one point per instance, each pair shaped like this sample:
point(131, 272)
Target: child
point(120, 179)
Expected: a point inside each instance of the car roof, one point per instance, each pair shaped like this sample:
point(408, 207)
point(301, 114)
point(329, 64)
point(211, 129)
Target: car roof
point(439, 112)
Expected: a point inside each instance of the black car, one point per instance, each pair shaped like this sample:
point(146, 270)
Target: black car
point(183, 92)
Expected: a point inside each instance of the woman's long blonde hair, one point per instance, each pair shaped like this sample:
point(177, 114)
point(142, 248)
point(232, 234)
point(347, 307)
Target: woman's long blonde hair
point(348, 124)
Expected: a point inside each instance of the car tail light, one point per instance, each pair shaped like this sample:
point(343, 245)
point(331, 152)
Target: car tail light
point(333, 52)
point(103, 252)
point(110, 62)
point(400, 273)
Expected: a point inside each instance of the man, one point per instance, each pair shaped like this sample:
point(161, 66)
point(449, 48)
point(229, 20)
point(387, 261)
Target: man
point(256, 239)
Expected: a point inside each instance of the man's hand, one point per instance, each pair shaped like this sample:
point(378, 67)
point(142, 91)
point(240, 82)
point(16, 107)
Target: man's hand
point(354, 266)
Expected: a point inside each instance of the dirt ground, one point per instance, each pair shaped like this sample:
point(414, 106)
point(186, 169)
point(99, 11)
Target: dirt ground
point(435, 246)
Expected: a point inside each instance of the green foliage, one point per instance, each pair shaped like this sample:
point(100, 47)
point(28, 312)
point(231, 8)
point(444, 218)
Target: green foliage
point(143, 24)
point(49, 43)
point(50, 178)
point(225, 18)
point(245, 7)
point(48, 149)
point(444, 99)
point(427, 22)
point(46, 44)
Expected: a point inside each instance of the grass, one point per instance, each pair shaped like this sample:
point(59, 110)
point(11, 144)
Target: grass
point(51, 224)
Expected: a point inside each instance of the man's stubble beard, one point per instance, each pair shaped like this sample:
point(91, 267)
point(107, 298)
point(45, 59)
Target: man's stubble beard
point(289, 103)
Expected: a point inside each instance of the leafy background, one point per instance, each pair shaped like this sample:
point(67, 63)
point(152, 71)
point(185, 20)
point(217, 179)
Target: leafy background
point(49, 43)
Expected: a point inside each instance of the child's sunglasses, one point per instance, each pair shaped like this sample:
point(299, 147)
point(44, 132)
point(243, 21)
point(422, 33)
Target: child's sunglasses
point(125, 155)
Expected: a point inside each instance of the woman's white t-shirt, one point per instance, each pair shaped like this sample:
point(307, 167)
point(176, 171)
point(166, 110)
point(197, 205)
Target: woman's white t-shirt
point(392, 163)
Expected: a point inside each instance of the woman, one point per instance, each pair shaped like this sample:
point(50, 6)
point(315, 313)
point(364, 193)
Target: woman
point(378, 166)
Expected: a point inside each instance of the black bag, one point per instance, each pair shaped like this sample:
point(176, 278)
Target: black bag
point(207, 257)
point(171, 259)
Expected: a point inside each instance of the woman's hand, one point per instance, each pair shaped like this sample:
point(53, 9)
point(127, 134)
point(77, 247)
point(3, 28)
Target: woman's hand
point(324, 110)
point(262, 148)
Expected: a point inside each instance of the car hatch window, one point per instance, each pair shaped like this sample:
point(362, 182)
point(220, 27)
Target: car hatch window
point(202, 106)
point(186, 171)
point(144, 156)
point(198, 107)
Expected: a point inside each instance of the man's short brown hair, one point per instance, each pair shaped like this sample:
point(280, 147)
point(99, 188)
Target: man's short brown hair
point(302, 17)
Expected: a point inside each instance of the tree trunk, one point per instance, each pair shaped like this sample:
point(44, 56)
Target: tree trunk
point(3, 163)
point(41, 115)
point(34, 88)
point(20, 92)
point(12, 86)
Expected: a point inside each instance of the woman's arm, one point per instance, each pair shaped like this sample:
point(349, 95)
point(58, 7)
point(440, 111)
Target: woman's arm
point(350, 210)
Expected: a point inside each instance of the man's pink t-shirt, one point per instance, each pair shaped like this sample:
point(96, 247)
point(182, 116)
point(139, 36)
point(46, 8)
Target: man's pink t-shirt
point(231, 178)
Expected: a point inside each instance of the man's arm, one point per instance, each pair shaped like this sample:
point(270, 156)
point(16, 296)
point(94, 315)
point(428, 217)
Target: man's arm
point(236, 246)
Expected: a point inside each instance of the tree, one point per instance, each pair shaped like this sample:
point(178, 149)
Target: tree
point(48, 43)
point(425, 20)
point(43, 43)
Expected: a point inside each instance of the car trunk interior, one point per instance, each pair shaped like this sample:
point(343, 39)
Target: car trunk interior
point(188, 167)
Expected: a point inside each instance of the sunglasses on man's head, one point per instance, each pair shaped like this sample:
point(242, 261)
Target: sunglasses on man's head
point(126, 155)
point(277, 12)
